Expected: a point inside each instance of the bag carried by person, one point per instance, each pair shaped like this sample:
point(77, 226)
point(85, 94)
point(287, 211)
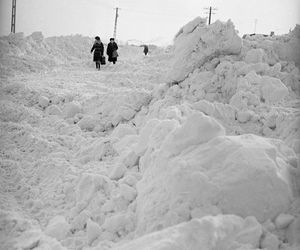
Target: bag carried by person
point(115, 54)
point(103, 60)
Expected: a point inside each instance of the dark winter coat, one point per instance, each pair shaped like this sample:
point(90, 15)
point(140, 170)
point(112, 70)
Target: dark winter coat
point(146, 49)
point(99, 50)
point(111, 47)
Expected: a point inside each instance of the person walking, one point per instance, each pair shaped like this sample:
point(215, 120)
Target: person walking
point(146, 50)
point(98, 49)
point(111, 51)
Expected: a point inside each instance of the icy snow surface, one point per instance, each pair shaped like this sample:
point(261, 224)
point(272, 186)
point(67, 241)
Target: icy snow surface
point(194, 146)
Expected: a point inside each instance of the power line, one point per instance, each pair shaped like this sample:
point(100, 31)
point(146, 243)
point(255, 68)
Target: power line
point(161, 14)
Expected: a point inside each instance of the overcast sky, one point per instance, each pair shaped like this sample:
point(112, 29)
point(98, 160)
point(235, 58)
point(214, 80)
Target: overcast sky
point(154, 21)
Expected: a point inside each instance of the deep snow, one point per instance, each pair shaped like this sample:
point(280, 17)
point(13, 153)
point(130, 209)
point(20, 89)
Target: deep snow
point(195, 146)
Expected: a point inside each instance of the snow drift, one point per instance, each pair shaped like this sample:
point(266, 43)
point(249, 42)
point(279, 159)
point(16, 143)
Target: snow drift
point(202, 153)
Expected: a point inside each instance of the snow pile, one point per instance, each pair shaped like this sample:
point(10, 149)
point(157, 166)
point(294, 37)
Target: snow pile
point(196, 43)
point(95, 160)
point(194, 183)
point(22, 233)
point(288, 47)
point(241, 83)
point(35, 53)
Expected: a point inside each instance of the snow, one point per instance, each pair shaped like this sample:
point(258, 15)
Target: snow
point(225, 231)
point(196, 146)
point(58, 228)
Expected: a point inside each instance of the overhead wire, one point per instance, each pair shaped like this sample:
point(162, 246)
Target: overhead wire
point(145, 12)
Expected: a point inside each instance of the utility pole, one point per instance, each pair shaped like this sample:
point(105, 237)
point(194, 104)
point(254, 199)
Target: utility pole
point(255, 23)
point(116, 20)
point(13, 16)
point(210, 13)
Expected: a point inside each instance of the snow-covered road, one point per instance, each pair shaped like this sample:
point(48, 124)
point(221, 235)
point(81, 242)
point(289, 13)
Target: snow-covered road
point(192, 147)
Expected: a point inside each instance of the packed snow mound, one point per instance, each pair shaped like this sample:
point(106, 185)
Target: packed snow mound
point(244, 90)
point(250, 177)
point(208, 233)
point(21, 233)
point(197, 43)
point(91, 159)
point(288, 47)
point(284, 48)
point(34, 53)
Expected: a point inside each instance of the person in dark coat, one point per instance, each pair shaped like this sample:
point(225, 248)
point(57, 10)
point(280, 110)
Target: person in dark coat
point(98, 49)
point(146, 50)
point(111, 51)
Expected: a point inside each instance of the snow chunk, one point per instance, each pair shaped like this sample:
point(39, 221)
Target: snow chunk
point(244, 116)
point(129, 158)
point(71, 109)
point(197, 129)
point(58, 228)
point(43, 101)
point(88, 123)
point(119, 223)
point(254, 56)
point(128, 192)
point(53, 110)
point(88, 185)
point(118, 172)
point(80, 220)
point(283, 220)
point(93, 231)
point(144, 136)
point(126, 143)
point(273, 90)
point(122, 130)
point(204, 106)
point(208, 233)
point(97, 151)
point(269, 242)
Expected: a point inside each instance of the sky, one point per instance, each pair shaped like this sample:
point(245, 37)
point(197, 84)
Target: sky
point(147, 21)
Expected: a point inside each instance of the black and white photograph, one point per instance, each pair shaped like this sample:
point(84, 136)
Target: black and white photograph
point(149, 124)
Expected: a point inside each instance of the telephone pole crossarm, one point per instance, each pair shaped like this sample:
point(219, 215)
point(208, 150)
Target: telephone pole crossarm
point(210, 13)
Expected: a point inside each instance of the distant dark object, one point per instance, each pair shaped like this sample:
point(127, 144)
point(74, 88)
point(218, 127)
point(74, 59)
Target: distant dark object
point(97, 38)
point(146, 49)
point(254, 34)
point(111, 39)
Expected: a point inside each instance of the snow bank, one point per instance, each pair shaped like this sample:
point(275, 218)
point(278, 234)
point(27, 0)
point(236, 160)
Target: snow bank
point(95, 158)
point(197, 43)
point(35, 53)
point(288, 47)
